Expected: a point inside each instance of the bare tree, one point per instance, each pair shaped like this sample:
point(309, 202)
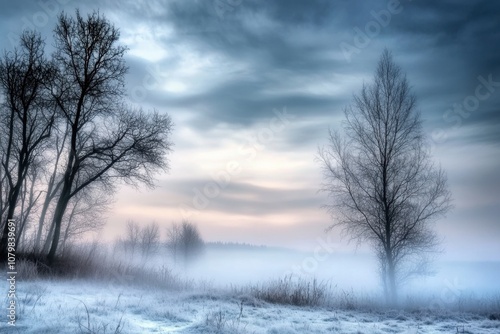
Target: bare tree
point(185, 242)
point(27, 119)
point(149, 240)
point(145, 239)
point(174, 240)
point(107, 141)
point(132, 238)
point(384, 188)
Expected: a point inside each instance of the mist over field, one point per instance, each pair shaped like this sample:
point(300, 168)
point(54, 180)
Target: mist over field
point(240, 288)
point(240, 265)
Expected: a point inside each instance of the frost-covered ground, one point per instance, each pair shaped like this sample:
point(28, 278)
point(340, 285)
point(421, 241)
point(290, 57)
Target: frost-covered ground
point(77, 306)
point(134, 295)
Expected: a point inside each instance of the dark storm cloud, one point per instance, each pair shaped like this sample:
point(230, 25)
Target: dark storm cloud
point(16, 16)
point(273, 56)
point(460, 43)
point(444, 46)
point(468, 30)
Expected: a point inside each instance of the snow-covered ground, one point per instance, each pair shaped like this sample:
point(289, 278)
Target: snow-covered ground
point(217, 295)
point(77, 306)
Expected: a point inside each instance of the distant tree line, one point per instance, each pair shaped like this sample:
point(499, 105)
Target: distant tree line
point(227, 245)
point(183, 241)
point(67, 138)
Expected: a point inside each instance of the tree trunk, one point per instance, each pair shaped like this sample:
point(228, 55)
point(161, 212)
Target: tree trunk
point(41, 221)
point(66, 232)
point(391, 282)
point(22, 221)
point(65, 194)
point(51, 192)
point(62, 203)
point(48, 240)
point(26, 207)
point(14, 195)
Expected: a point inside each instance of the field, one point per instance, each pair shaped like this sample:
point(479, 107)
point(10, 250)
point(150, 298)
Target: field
point(127, 298)
point(89, 307)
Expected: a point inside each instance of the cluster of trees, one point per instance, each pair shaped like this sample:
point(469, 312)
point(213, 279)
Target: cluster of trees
point(66, 135)
point(183, 241)
point(140, 239)
point(225, 245)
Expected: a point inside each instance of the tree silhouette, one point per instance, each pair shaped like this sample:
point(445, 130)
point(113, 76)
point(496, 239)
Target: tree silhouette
point(107, 140)
point(378, 173)
point(27, 118)
point(185, 242)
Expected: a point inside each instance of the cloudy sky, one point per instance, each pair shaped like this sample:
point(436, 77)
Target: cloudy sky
point(254, 85)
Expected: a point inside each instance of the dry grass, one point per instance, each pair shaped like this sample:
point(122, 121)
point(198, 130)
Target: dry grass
point(291, 291)
point(91, 261)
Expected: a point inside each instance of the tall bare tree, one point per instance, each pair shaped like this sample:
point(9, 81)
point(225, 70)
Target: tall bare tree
point(26, 121)
point(378, 173)
point(107, 141)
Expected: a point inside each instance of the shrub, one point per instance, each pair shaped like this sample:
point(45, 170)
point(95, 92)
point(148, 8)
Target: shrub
point(291, 291)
